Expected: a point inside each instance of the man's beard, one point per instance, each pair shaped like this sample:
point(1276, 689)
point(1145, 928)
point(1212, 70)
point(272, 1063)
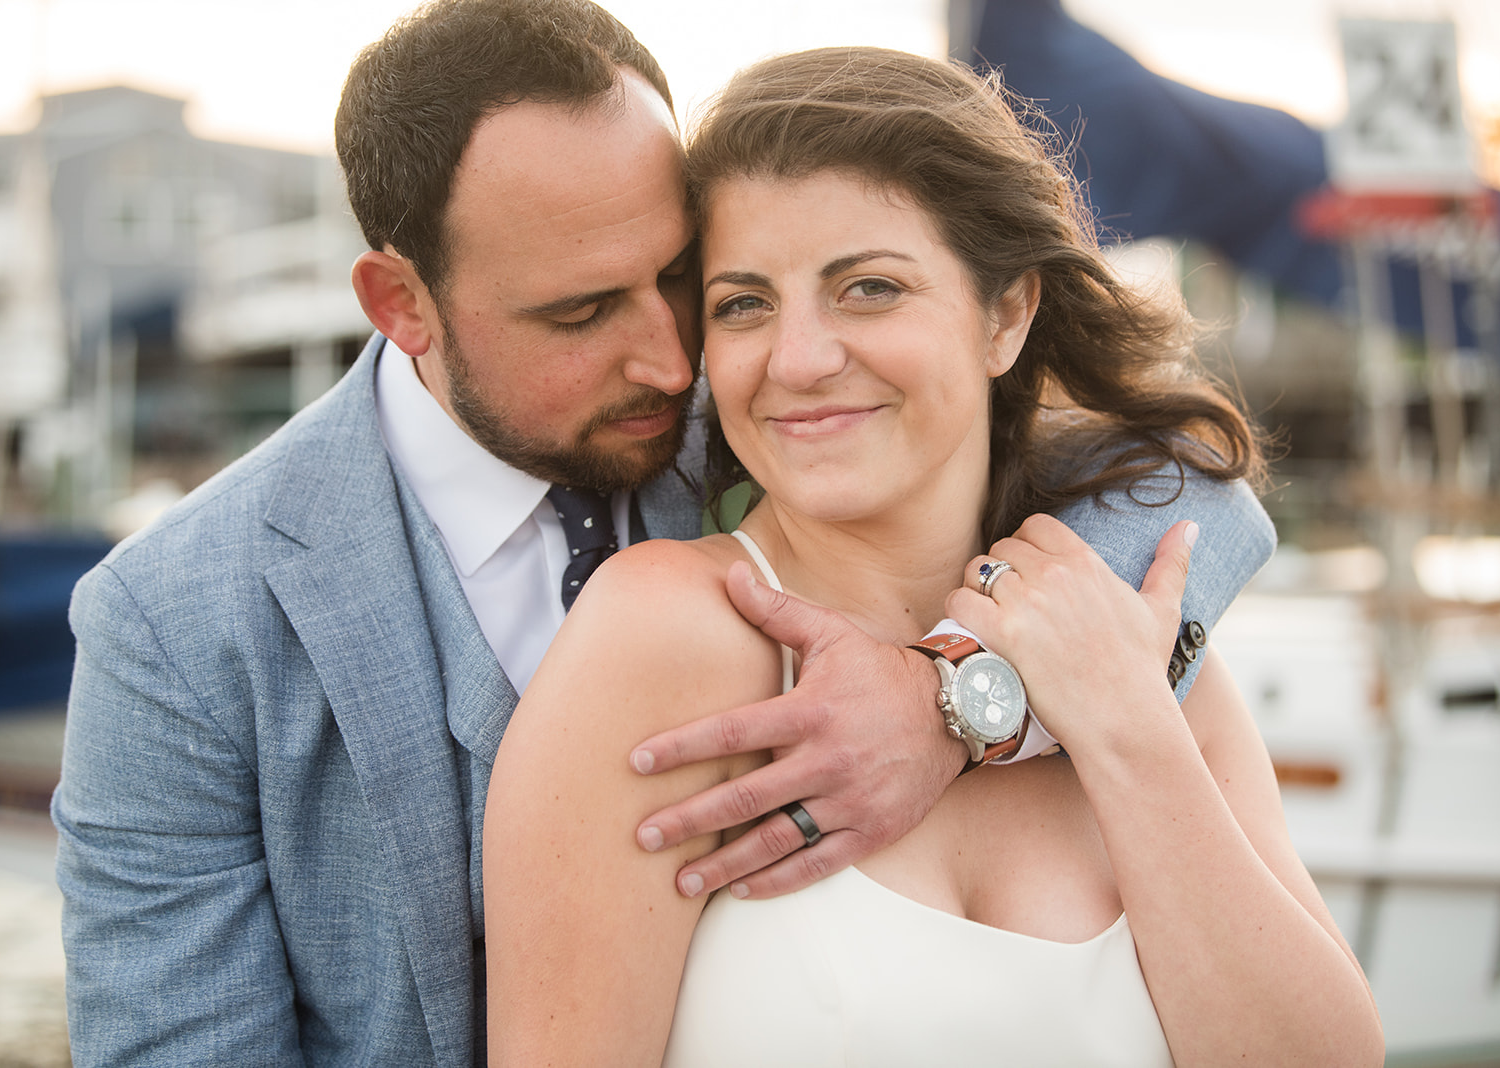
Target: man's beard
point(581, 464)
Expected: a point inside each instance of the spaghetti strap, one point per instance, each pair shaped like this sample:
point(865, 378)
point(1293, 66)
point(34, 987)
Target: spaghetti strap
point(788, 680)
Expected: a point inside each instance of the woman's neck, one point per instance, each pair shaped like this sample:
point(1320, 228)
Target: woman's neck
point(889, 575)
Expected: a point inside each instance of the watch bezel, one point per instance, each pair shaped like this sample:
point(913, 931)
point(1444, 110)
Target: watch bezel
point(1016, 715)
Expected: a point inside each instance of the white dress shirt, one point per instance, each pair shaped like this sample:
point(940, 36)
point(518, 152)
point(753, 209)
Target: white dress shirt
point(502, 534)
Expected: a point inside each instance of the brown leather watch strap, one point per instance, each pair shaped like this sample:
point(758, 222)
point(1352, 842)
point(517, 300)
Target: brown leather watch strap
point(951, 647)
point(1007, 748)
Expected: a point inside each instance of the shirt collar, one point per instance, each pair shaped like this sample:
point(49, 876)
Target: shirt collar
point(476, 500)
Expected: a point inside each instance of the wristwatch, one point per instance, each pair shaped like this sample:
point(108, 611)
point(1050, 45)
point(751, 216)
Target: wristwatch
point(982, 698)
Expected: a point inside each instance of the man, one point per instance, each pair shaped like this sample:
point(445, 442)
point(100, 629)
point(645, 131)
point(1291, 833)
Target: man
point(289, 691)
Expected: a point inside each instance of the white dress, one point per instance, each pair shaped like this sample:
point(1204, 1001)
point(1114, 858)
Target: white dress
point(849, 972)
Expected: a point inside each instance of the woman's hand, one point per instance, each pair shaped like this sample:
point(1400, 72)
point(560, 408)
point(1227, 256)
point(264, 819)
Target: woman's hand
point(1080, 637)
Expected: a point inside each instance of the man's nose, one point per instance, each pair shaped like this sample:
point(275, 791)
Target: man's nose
point(659, 357)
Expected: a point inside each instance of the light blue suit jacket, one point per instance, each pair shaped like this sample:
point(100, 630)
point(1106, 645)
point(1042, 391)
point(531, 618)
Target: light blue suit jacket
point(279, 739)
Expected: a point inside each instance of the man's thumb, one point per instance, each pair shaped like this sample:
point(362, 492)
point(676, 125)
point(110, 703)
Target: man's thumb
point(780, 616)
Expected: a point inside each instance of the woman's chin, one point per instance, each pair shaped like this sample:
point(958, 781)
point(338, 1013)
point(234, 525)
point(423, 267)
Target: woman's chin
point(835, 503)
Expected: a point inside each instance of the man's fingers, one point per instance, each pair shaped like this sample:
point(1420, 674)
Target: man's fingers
point(739, 800)
point(767, 843)
point(803, 867)
point(768, 724)
point(780, 616)
point(858, 742)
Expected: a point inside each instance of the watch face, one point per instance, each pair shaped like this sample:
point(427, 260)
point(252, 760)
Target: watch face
point(989, 697)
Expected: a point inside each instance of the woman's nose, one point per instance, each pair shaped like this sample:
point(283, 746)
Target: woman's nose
point(805, 349)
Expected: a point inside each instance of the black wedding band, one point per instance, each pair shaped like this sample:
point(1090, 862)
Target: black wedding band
point(810, 833)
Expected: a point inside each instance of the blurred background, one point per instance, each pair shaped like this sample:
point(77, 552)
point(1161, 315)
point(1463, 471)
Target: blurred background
point(1316, 178)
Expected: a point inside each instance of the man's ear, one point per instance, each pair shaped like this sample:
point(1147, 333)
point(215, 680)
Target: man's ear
point(395, 300)
point(1012, 315)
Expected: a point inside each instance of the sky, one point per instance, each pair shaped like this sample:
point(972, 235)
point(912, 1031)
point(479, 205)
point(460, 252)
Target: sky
point(269, 71)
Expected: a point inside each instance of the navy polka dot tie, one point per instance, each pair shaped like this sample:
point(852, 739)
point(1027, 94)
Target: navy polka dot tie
point(590, 529)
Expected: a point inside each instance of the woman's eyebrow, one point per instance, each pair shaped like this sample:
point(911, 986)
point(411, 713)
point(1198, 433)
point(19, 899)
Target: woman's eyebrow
point(830, 269)
point(737, 278)
point(854, 259)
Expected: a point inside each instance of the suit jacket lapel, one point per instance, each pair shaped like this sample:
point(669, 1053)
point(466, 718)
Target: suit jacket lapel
point(354, 600)
point(406, 668)
point(479, 697)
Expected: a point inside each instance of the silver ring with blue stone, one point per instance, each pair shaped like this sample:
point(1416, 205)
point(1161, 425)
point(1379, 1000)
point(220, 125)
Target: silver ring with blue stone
point(988, 573)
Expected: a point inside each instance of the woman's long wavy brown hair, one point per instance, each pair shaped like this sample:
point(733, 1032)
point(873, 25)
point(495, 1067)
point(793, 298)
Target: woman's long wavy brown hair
point(1106, 393)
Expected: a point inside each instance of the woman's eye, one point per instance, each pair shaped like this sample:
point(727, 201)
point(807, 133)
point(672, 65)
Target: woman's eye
point(737, 307)
point(872, 287)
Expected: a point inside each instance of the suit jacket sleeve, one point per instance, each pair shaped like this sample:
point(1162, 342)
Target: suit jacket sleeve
point(1235, 539)
point(174, 953)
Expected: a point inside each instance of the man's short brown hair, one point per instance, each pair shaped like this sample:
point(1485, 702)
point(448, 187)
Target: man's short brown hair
point(413, 99)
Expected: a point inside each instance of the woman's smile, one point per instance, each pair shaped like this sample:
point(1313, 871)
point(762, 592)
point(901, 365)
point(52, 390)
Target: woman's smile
point(823, 421)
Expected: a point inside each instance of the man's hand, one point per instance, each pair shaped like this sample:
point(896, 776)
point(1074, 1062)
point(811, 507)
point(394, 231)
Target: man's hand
point(859, 742)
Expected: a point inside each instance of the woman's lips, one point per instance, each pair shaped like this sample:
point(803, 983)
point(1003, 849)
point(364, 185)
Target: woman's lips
point(820, 421)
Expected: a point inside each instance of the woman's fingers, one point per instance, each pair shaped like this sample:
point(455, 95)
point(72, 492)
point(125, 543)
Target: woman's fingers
point(1167, 577)
point(1077, 632)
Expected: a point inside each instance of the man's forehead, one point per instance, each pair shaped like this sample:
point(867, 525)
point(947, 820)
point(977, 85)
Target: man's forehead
point(559, 210)
point(551, 199)
point(554, 158)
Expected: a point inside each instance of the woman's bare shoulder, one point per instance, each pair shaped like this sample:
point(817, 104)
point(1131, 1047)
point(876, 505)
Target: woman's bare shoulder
point(712, 554)
point(662, 577)
point(656, 619)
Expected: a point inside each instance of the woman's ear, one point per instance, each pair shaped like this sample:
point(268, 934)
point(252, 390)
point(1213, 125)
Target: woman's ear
point(395, 300)
point(1012, 316)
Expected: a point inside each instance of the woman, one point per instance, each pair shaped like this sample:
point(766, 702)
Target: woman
point(912, 346)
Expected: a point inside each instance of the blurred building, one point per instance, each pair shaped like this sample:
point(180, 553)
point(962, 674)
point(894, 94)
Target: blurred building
point(165, 300)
